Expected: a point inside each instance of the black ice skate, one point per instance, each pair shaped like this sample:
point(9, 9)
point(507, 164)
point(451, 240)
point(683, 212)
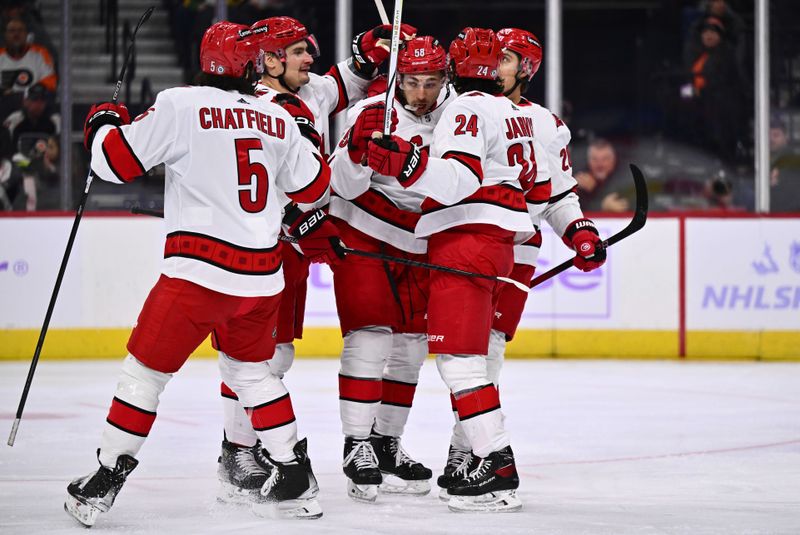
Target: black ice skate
point(93, 494)
point(242, 471)
point(291, 489)
point(489, 487)
point(361, 468)
point(459, 464)
point(401, 473)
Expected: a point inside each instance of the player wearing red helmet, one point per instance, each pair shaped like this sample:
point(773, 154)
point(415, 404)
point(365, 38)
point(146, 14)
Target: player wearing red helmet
point(522, 56)
point(226, 154)
point(482, 165)
point(383, 323)
point(289, 50)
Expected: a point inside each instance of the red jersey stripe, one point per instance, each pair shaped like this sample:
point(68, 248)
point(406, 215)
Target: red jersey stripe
point(315, 189)
point(470, 161)
point(120, 157)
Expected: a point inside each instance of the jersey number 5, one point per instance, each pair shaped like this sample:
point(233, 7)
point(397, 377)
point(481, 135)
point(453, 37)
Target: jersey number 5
point(516, 155)
point(252, 175)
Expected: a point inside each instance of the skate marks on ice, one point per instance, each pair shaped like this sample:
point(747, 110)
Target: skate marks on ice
point(602, 447)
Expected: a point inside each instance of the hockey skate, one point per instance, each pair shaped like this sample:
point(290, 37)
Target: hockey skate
point(93, 494)
point(361, 468)
point(401, 474)
point(491, 487)
point(459, 464)
point(242, 471)
point(291, 489)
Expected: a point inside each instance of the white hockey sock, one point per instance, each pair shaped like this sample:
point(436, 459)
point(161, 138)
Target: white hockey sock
point(400, 377)
point(459, 438)
point(496, 356)
point(363, 359)
point(477, 401)
point(282, 360)
point(133, 410)
point(266, 401)
point(237, 425)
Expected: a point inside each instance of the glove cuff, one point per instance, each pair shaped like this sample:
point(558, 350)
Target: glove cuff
point(577, 226)
point(300, 224)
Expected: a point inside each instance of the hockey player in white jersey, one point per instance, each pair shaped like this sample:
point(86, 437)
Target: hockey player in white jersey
point(289, 51)
point(382, 305)
point(226, 154)
point(522, 56)
point(482, 163)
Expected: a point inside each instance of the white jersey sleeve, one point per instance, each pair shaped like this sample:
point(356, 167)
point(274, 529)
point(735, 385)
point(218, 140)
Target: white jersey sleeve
point(227, 156)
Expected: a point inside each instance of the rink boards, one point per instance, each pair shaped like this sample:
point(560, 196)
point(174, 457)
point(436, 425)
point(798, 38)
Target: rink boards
point(691, 286)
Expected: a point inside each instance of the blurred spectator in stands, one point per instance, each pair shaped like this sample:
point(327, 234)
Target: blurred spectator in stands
point(716, 94)
point(35, 117)
point(40, 173)
point(731, 21)
point(28, 12)
point(603, 186)
point(785, 166)
point(12, 186)
point(21, 66)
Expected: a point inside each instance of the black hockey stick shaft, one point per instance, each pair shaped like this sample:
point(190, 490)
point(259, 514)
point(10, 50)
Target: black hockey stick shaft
point(636, 224)
point(380, 256)
point(68, 251)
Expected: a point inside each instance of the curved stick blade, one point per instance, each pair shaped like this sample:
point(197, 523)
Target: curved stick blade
point(144, 17)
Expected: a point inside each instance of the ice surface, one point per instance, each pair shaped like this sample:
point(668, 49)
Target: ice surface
point(603, 447)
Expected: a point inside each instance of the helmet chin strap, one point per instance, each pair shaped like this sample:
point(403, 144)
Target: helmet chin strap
point(281, 80)
point(517, 81)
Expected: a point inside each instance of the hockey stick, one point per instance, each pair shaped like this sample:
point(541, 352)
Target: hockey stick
point(380, 256)
point(382, 12)
point(391, 79)
point(70, 242)
point(636, 224)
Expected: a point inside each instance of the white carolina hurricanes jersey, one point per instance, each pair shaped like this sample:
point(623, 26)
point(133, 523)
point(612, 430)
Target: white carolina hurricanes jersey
point(375, 204)
point(329, 94)
point(482, 167)
point(226, 155)
point(563, 207)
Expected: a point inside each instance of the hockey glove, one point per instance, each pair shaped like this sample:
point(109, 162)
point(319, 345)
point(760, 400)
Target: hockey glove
point(317, 237)
point(394, 156)
point(101, 115)
point(582, 236)
point(371, 48)
point(302, 116)
point(369, 120)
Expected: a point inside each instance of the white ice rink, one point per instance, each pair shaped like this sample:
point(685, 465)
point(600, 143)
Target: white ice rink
point(603, 447)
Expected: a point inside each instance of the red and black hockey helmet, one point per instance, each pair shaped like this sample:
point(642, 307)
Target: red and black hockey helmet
point(276, 34)
point(526, 45)
point(421, 54)
point(226, 50)
point(475, 53)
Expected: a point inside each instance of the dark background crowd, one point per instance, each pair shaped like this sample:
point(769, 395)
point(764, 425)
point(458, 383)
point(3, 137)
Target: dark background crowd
point(666, 84)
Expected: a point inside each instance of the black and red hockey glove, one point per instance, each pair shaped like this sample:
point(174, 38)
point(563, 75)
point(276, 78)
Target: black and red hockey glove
point(371, 48)
point(302, 116)
point(101, 115)
point(369, 120)
point(582, 236)
point(394, 156)
point(317, 237)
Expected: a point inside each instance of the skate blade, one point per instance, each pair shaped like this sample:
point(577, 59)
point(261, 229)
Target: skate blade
point(395, 485)
point(84, 513)
point(230, 494)
point(504, 501)
point(302, 509)
point(362, 493)
point(444, 495)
